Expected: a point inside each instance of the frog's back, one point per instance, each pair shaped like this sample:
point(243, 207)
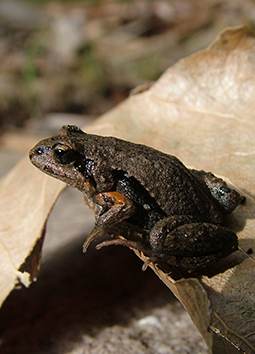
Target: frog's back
point(164, 176)
point(166, 179)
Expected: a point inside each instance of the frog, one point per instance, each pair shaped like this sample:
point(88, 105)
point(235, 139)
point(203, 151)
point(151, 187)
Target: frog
point(176, 214)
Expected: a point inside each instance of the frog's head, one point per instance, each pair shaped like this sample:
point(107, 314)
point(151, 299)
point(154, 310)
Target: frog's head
point(61, 156)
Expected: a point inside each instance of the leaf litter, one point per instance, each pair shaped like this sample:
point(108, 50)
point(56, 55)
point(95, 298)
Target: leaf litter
point(202, 111)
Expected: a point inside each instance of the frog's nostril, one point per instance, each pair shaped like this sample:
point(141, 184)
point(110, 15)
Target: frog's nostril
point(40, 150)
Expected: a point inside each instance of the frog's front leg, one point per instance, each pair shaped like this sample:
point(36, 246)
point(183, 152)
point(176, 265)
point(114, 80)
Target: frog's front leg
point(115, 208)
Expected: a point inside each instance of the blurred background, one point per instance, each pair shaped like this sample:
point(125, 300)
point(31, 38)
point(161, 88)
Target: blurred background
point(74, 60)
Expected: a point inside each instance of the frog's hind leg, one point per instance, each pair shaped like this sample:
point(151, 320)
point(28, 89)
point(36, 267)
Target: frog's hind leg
point(194, 245)
point(128, 243)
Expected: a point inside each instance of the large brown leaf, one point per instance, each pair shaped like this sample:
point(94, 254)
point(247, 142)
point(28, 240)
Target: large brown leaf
point(201, 110)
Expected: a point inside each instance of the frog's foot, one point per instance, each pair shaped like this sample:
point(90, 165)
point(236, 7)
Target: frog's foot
point(95, 234)
point(134, 245)
point(151, 260)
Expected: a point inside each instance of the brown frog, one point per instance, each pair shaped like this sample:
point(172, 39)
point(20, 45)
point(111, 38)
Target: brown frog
point(177, 211)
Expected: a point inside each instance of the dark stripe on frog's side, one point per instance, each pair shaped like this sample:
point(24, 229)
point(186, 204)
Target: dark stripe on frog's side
point(148, 211)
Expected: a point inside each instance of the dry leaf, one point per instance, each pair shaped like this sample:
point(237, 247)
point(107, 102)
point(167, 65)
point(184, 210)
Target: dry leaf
point(201, 110)
point(26, 200)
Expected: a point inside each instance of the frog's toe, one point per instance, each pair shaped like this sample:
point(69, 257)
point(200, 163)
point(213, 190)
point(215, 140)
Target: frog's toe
point(95, 234)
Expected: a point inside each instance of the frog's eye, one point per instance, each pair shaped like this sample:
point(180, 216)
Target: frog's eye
point(63, 155)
